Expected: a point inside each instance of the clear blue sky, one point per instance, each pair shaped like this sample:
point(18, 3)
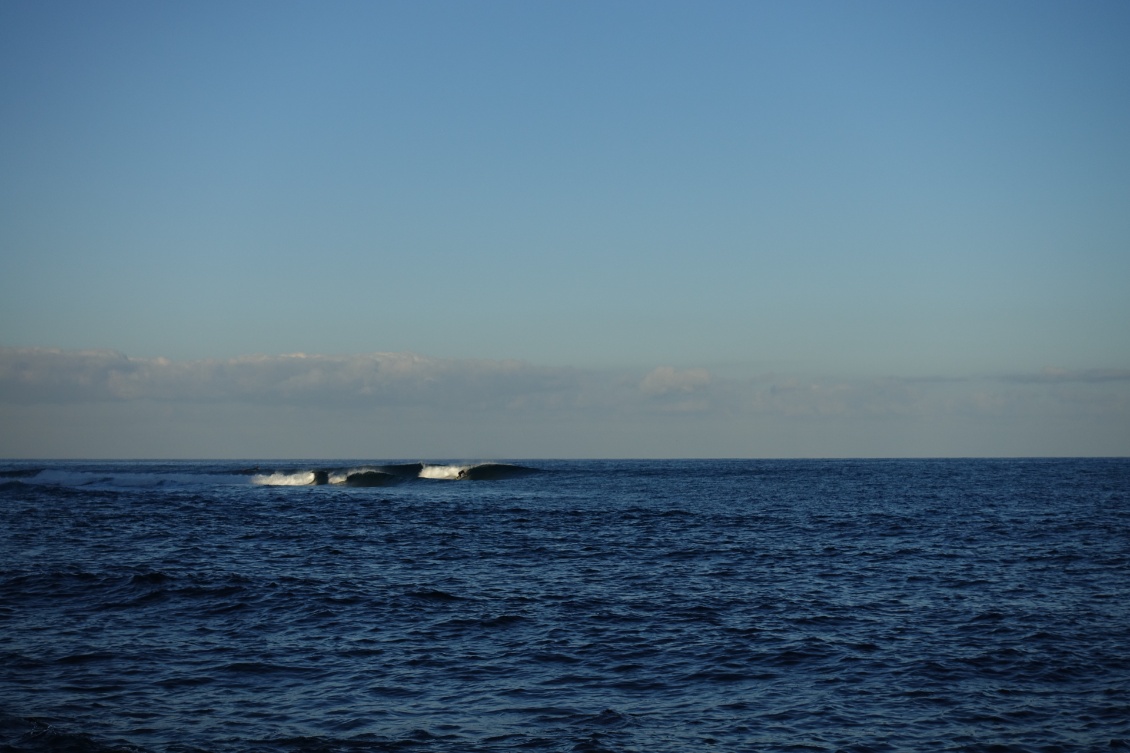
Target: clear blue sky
point(839, 191)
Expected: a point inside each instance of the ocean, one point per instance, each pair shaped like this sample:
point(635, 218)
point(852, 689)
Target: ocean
point(651, 606)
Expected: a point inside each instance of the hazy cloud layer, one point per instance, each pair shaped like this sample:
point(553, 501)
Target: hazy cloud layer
point(35, 375)
point(666, 379)
point(40, 375)
point(1058, 376)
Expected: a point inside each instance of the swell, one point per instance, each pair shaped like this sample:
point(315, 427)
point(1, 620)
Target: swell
point(388, 475)
point(143, 478)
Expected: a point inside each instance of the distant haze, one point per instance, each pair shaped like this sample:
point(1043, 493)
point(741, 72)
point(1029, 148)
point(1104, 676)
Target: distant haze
point(400, 405)
point(569, 229)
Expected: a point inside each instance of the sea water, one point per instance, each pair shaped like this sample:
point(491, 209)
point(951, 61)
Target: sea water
point(927, 605)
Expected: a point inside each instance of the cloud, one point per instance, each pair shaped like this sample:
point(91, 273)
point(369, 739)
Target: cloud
point(42, 375)
point(666, 379)
point(1059, 376)
point(403, 380)
point(37, 374)
point(96, 403)
point(845, 398)
point(1093, 392)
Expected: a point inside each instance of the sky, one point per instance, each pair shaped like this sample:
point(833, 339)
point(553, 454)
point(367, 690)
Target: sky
point(564, 229)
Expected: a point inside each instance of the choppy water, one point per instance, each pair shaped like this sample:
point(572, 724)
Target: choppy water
point(951, 605)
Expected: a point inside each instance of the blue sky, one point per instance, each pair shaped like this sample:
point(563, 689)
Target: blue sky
point(833, 195)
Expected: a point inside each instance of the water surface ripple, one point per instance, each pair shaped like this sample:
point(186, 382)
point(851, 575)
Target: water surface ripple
point(950, 605)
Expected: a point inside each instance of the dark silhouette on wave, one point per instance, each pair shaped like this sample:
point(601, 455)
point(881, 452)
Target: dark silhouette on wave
point(371, 478)
point(21, 473)
point(406, 470)
point(495, 471)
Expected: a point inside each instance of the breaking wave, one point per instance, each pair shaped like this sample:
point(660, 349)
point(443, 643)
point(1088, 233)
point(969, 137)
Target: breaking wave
point(173, 476)
point(386, 475)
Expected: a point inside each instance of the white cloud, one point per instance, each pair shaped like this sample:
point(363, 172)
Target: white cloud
point(1056, 376)
point(666, 379)
point(55, 402)
point(41, 375)
point(803, 397)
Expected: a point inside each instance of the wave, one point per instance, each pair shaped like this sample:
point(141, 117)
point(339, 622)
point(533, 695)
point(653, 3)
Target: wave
point(475, 472)
point(20, 472)
point(495, 471)
point(371, 478)
point(130, 479)
point(359, 477)
point(387, 475)
point(121, 476)
point(285, 478)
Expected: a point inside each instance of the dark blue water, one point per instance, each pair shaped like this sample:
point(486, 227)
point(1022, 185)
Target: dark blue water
point(950, 605)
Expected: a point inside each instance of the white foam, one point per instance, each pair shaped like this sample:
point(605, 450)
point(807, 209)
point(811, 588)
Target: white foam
point(339, 477)
point(302, 478)
point(445, 472)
